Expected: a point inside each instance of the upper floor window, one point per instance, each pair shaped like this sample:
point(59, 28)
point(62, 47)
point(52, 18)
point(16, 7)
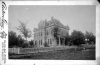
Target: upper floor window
point(47, 32)
point(62, 32)
point(34, 35)
point(50, 41)
point(39, 42)
point(41, 33)
point(37, 34)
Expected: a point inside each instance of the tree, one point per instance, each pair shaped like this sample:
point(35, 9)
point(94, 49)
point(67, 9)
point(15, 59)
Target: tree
point(77, 37)
point(20, 41)
point(55, 33)
point(12, 37)
point(46, 45)
point(25, 31)
point(14, 40)
point(90, 37)
point(68, 40)
point(31, 43)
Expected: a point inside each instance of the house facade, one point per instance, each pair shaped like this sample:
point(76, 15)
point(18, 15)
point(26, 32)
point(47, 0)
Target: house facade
point(44, 33)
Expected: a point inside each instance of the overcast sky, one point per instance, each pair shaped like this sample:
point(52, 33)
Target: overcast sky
point(78, 17)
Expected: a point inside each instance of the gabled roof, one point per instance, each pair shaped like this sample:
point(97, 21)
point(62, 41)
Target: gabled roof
point(52, 22)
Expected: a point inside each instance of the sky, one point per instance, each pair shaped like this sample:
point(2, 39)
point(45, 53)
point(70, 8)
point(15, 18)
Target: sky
point(77, 17)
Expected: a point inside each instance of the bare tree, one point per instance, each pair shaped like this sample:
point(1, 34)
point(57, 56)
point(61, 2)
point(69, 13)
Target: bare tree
point(25, 31)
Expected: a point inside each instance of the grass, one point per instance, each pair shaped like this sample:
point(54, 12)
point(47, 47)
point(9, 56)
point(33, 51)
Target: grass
point(66, 54)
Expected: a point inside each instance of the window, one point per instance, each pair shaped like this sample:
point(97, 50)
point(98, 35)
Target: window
point(37, 34)
point(35, 42)
point(48, 41)
point(47, 32)
point(34, 35)
point(41, 41)
point(41, 33)
point(62, 32)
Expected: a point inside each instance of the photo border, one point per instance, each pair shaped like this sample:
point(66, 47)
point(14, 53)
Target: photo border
point(4, 34)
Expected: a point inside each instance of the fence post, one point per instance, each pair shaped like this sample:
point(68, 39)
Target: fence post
point(14, 50)
point(18, 50)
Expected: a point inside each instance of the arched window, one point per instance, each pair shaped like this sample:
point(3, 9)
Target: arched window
point(35, 42)
point(37, 34)
point(62, 32)
point(48, 41)
point(41, 33)
point(34, 35)
point(47, 32)
point(41, 41)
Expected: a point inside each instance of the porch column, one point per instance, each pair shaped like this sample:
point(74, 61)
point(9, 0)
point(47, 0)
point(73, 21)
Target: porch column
point(59, 41)
point(64, 41)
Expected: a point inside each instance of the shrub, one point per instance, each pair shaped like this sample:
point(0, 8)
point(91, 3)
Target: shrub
point(12, 38)
point(46, 45)
point(24, 45)
point(90, 37)
point(77, 37)
point(31, 43)
point(68, 40)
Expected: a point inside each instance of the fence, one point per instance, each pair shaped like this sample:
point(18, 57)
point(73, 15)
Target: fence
point(14, 50)
point(35, 50)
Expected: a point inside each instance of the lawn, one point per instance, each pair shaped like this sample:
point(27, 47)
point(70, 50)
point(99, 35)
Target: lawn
point(65, 54)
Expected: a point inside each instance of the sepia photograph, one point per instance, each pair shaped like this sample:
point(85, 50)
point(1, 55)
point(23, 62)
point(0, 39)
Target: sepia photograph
point(52, 32)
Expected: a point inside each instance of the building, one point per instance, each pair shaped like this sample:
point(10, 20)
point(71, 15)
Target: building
point(44, 33)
